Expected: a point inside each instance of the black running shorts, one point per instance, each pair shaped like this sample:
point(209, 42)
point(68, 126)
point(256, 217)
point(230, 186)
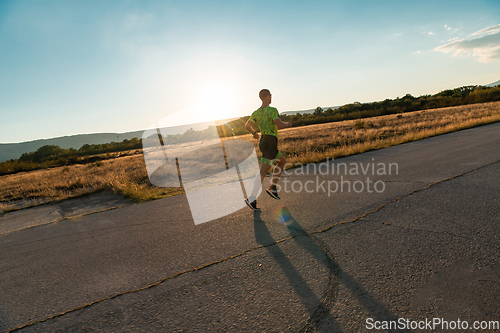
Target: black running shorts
point(268, 145)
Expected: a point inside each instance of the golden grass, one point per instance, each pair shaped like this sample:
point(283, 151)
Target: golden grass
point(314, 143)
point(124, 175)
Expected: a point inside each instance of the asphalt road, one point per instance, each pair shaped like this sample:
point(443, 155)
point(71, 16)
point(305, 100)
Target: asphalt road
point(425, 247)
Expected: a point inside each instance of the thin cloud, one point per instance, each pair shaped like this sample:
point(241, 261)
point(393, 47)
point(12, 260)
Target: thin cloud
point(495, 28)
point(485, 48)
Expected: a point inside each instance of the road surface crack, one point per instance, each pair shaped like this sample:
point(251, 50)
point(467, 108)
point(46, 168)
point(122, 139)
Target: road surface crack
point(430, 231)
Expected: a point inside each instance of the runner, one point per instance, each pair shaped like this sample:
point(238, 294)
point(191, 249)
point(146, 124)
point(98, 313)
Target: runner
point(267, 118)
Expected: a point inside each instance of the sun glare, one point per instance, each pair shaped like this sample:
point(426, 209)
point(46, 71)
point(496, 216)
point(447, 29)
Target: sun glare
point(217, 101)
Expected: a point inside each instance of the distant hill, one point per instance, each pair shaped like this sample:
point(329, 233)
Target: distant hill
point(494, 84)
point(289, 113)
point(10, 151)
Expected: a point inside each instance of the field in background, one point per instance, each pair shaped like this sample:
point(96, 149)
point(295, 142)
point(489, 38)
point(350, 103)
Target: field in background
point(127, 175)
point(316, 143)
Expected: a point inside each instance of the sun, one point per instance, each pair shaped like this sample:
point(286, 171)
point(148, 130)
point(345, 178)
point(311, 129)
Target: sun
point(217, 101)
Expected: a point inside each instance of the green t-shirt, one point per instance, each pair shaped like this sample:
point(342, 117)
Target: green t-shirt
point(265, 120)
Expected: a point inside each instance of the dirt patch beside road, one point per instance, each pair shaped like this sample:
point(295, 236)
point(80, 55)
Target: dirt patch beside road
point(51, 213)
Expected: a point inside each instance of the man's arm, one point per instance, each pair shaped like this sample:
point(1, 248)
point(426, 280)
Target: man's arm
point(250, 129)
point(281, 124)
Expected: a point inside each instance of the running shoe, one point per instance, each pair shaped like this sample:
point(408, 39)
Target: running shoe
point(252, 205)
point(272, 191)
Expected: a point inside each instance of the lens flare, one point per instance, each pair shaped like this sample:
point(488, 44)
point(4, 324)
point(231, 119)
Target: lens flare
point(282, 215)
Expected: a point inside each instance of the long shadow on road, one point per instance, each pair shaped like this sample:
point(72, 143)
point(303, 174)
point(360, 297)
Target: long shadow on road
point(320, 315)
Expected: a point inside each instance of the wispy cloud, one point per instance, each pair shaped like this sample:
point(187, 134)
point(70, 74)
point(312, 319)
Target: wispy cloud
point(486, 47)
point(493, 29)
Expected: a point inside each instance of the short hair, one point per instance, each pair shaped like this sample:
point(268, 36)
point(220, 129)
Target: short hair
point(264, 93)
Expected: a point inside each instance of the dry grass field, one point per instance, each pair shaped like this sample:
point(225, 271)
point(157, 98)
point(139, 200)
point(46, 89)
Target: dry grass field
point(332, 140)
point(124, 175)
point(128, 176)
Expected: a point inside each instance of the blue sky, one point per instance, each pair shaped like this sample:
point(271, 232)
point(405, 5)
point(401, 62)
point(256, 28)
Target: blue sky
point(73, 67)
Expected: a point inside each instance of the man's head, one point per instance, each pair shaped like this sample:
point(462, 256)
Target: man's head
point(265, 94)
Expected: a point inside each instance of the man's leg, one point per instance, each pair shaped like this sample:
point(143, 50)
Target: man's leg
point(264, 169)
point(278, 169)
point(258, 180)
point(269, 149)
